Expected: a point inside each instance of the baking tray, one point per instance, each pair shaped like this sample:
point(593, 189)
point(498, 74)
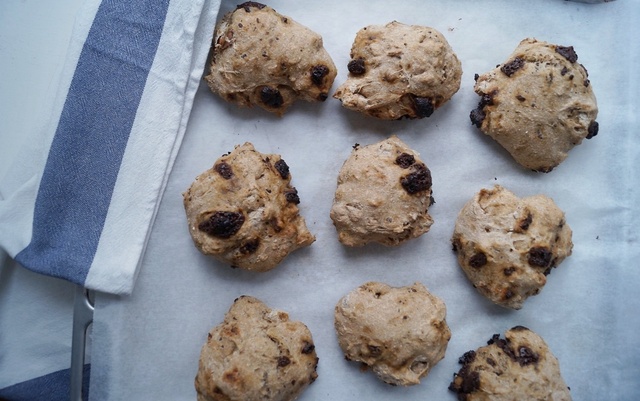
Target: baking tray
point(146, 346)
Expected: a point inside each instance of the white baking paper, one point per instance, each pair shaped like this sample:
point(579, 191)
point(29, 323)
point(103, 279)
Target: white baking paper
point(146, 346)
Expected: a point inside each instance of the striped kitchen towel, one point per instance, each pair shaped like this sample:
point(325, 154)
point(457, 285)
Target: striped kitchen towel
point(79, 200)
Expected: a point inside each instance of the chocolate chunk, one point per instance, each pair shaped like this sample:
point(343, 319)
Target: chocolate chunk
point(475, 77)
point(356, 66)
point(423, 106)
point(564, 71)
point(292, 196)
point(524, 224)
point(405, 160)
point(248, 4)
point(283, 361)
point(308, 348)
point(250, 246)
point(520, 98)
point(271, 97)
point(224, 170)
point(467, 358)
point(465, 382)
point(282, 168)
point(593, 129)
point(318, 73)
point(418, 181)
point(540, 256)
point(567, 52)
point(512, 66)
point(477, 117)
point(509, 271)
point(526, 356)
point(322, 97)
point(503, 344)
point(222, 224)
point(456, 245)
point(478, 260)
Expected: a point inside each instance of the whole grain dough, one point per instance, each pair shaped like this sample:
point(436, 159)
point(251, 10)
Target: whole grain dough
point(518, 367)
point(243, 211)
point(383, 195)
point(507, 246)
point(399, 70)
point(256, 354)
point(400, 332)
point(538, 105)
point(260, 57)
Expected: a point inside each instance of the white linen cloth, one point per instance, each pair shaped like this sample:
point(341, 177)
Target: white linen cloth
point(80, 198)
point(79, 193)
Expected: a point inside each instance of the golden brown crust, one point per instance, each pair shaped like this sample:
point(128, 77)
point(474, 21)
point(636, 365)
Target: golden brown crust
point(517, 367)
point(401, 332)
point(507, 246)
point(538, 105)
point(267, 59)
point(383, 195)
point(399, 70)
point(256, 354)
point(244, 212)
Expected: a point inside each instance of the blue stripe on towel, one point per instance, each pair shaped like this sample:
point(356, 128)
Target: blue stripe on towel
point(52, 387)
point(91, 137)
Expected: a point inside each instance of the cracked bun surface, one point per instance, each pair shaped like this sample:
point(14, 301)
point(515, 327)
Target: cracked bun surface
point(537, 105)
point(517, 367)
point(399, 332)
point(383, 195)
point(263, 58)
point(507, 245)
point(256, 354)
point(399, 70)
point(243, 210)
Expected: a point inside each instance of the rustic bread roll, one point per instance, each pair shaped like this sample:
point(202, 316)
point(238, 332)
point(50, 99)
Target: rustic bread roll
point(401, 332)
point(256, 354)
point(538, 105)
point(243, 211)
point(399, 70)
point(507, 246)
point(262, 58)
point(383, 195)
point(518, 367)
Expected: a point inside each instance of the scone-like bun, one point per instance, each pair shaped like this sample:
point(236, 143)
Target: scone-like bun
point(383, 195)
point(538, 104)
point(507, 245)
point(243, 210)
point(399, 70)
point(518, 367)
point(400, 332)
point(256, 354)
point(267, 59)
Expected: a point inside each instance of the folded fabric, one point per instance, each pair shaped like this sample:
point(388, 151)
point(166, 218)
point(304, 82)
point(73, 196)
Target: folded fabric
point(80, 199)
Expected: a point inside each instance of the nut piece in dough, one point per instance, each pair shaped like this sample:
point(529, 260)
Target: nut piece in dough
point(383, 195)
point(256, 354)
point(507, 245)
point(518, 367)
point(400, 332)
point(260, 57)
point(399, 70)
point(243, 210)
point(538, 105)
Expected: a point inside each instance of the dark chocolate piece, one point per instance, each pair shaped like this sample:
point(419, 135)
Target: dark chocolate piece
point(593, 129)
point(540, 256)
point(478, 260)
point(248, 4)
point(418, 181)
point(222, 224)
point(405, 160)
point(283, 168)
point(423, 106)
point(271, 97)
point(567, 52)
point(224, 170)
point(512, 66)
point(292, 196)
point(356, 66)
point(318, 73)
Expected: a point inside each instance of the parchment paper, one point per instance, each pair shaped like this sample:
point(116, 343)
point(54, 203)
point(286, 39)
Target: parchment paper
point(146, 346)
